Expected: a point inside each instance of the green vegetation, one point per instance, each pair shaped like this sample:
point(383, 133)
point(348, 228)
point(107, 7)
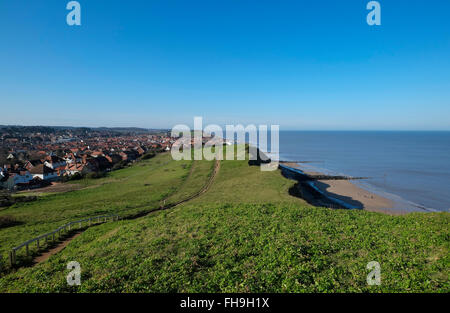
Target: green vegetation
point(239, 183)
point(7, 221)
point(254, 248)
point(199, 174)
point(148, 155)
point(133, 190)
point(245, 233)
point(5, 198)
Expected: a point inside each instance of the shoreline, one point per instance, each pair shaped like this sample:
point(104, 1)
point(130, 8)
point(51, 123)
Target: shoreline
point(340, 194)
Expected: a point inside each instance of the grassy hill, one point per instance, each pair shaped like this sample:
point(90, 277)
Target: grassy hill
point(136, 189)
point(242, 232)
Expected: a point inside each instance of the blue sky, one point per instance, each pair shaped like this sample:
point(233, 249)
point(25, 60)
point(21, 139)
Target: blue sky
point(300, 64)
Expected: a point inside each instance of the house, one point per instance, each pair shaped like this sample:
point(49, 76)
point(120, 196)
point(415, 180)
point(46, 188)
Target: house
point(32, 163)
point(71, 158)
point(61, 171)
point(11, 156)
point(74, 168)
point(14, 179)
point(113, 158)
point(3, 173)
point(54, 161)
point(42, 154)
point(129, 155)
point(43, 172)
point(91, 165)
point(96, 154)
point(34, 183)
point(103, 164)
point(140, 150)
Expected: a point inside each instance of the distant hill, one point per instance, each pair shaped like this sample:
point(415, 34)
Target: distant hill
point(51, 129)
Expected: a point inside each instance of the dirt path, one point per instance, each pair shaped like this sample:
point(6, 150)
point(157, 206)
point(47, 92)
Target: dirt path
point(44, 256)
point(47, 254)
point(55, 187)
point(204, 189)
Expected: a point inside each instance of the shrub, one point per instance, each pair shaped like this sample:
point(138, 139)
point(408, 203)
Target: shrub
point(120, 165)
point(76, 176)
point(96, 175)
point(25, 199)
point(5, 199)
point(148, 155)
point(7, 221)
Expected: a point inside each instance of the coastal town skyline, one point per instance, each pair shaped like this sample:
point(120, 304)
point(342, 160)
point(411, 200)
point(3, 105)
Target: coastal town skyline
point(34, 156)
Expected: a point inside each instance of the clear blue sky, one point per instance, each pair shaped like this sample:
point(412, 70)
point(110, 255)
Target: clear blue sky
point(299, 64)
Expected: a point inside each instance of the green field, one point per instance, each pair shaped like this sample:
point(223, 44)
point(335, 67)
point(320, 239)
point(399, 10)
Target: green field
point(243, 233)
point(136, 189)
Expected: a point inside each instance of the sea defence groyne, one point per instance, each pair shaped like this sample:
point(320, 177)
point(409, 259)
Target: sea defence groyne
point(297, 174)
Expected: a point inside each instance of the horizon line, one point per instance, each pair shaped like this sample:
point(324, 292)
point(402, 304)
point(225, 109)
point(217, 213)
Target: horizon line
point(281, 130)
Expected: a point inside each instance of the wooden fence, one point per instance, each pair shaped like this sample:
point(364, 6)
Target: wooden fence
point(58, 231)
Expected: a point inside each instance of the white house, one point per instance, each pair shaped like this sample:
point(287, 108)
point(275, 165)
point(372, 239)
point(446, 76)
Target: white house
point(43, 172)
point(54, 162)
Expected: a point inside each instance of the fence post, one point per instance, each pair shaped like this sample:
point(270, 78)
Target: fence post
point(12, 253)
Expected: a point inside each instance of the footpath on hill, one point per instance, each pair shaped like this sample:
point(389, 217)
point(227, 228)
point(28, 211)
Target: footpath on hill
point(61, 245)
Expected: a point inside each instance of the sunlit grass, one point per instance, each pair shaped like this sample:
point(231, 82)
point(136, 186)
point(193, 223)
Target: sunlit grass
point(245, 234)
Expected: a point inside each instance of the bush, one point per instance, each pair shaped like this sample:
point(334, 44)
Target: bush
point(5, 199)
point(119, 166)
point(96, 175)
point(25, 199)
point(7, 221)
point(148, 155)
point(76, 176)
point(67, 178)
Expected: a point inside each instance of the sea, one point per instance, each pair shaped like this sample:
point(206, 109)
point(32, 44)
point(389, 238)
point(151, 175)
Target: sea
point(412, 168)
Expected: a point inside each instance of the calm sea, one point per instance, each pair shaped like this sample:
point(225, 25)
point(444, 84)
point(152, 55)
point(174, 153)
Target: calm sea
point(412, 168)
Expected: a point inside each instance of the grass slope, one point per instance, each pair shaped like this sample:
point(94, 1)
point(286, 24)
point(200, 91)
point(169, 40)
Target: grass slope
point(247, 234)
point(129, 191)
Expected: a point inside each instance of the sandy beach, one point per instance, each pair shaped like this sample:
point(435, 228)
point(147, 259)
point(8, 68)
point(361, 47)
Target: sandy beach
point(345, 190)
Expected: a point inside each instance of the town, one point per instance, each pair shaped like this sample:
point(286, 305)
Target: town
point(35, 156)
